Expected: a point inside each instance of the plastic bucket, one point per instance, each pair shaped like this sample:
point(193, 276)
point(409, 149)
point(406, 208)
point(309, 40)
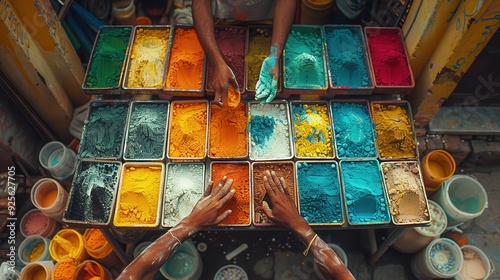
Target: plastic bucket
point(415, 239)
point(43, 270)
point(476, 264)
point(65, 269)
point(91, 269)
point(143, 20)
point(68, 243)
point(185, 263)
point(34, 248)
point(123, 12)
point(140, 248)
point(98, 247)
point(315, 12)
point(442, 258)
point(58, 159)
point(34, 222)
point(339, 251)
point(462, 198)
point(50, 197)
point(437, 166)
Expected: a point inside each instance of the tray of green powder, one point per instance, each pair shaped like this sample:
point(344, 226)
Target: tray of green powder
point(353, 126)
point(107, 61)
point(103, 132)
point(364, 192)
point(319, 193)
point(312, 130)
point(269, 131)
point(146, 132)
point(304, 66)
point(395, 134)
point(408, 203)
point(93, 191)
point(348, 65)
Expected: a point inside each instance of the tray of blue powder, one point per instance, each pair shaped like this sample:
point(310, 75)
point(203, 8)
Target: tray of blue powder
point(319, 193)
point(93, 193)
point(104, 130)
point(364, 192)
point(146, 132)
point(347, 60)
point(353, 126)
point(269, 131)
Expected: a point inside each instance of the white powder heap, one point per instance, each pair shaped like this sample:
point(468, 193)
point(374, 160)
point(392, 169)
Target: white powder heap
point(438, 223)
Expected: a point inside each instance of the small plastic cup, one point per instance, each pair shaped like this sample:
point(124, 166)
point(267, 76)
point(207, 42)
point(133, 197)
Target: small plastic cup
point(58, 159)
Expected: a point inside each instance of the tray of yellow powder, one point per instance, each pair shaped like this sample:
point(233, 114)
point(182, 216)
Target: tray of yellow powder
point(147, 60)
point(227, 132)
point(312, 130)
point(188, 130)
point(139, 195)
point(408, 203)
point(395, 134)
point(239, 172)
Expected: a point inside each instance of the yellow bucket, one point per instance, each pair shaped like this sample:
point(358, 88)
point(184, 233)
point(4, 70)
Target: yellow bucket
point(68, 243)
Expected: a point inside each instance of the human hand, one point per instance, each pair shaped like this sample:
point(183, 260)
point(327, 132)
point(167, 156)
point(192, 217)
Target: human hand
point(267, 85)
point(223, 76)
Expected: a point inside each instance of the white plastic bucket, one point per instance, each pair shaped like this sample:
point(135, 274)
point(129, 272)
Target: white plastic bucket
point(58, 159)
point(185, 263)
point(50, 197)
point(442, 258)
point(476, 264)
point(462, 198)
point(38, 271)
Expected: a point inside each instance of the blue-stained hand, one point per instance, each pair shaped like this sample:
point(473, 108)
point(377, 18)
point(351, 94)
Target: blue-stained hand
point(268, 81)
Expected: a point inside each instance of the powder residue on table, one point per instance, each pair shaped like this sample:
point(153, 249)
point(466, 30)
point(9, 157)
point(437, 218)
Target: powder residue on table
point(65, 269)
point(185, 68)
point(407, 202)
point(258, 49)
point(269, 131)
point(319, 195)
point(312, 131)
point(146, 132)
point(108, 57)
point(353, 130)
point(282, 169)
point(346, 57)
point(147, 58)
point(231, 43)
point(304, 60)
point(364, 193)
point(188, 130)
point(139, 195)
point(394, 131)
point(387, 52)
point(240, 203)
point(473, 266)
point(228, 131)
point(93, 191)
point(102, 135)
point(94, 239)
point(184, 187)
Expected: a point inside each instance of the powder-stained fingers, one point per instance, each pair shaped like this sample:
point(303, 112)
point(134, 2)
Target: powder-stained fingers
point(219, 185)
point(271, 186)
point(222, 191)
point(277, 182)
point(218, 97)
point(273, 90)
point(286, 191)
point(208, 189)
point(270, 191)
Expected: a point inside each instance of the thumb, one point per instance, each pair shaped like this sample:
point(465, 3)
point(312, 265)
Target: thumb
point(266, 209)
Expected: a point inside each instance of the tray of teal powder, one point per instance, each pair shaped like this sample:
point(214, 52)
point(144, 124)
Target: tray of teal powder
point(319, 193)
point(364, 192)
point(104, 130)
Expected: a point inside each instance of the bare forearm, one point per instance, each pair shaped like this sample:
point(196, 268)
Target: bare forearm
point(284, 13)
point(204, 25)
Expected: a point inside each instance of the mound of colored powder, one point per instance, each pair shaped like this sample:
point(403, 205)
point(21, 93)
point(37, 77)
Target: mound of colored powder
point(94, 239)
point(312, 131)
point(188, 130)
point(259, 46)
point(319, 194)
point(228, 131)
point(65, 269)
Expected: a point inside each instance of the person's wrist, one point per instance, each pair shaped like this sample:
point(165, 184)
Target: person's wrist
point(188, 226)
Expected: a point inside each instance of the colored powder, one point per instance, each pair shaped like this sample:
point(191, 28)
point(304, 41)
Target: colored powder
point(231, 43)
point(37, 273)
point(240, 203)
point(346, 57)
point(312, 131)
point(139, 196)
point(258, 49)
point(319, 195)
point(442, 258)
point(228, 131)
point(37, 252)
point(49, 197)
point(387, 52)
point(407, 202)
point(233, 97)
point(103, 131)
point(438, 222)
point(108, 57)
point(282, 169)
point(304, 65)
point(92, 193)
point(364, 192)
point(188, 130)
point(147, 58)
point(185, 68)
point(36, 223)
point(473, 266)
point(94, 239)
point(183, 189)
point(395, 138)
point(353, 130)
point(66, 246)
point(147, 131)
point(65, 269)
point(90, 270)
point(269, 131)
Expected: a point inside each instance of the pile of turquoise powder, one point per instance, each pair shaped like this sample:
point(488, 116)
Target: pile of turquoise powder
point(353, 130)
point(319, 192)
point(364, 193)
